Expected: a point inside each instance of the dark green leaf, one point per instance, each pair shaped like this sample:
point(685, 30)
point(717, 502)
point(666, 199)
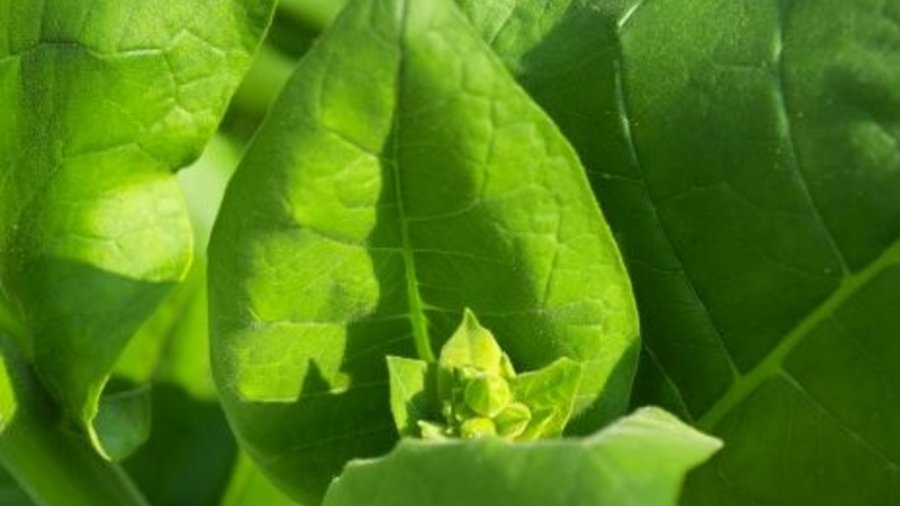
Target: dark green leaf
point(747, 154)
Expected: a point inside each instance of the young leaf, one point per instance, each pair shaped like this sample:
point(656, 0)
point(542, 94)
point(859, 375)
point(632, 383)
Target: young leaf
point(640, 460)
point(747, 155)
point(413, 391)
point(550, 390)
point(401, 177)
point(104, 103)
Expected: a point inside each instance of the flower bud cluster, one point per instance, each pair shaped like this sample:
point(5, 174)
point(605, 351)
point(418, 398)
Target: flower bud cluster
point(481, 404)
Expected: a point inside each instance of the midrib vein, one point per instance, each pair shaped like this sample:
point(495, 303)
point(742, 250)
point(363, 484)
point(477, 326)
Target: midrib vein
point(416, 306)
point(772, 363)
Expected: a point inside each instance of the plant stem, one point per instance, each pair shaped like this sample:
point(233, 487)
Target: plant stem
point(55, 467)
point(316, 14)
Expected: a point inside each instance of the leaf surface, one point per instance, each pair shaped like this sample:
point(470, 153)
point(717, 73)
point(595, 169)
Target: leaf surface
point(747, 155)
point(640, 460)
point(401, 177)
point(104, 103)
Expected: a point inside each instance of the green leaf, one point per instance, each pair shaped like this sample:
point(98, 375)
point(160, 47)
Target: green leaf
point(401, 177)
point(550, 390)
point(640, 460)
point(104, 103)
point(413, 391)
point(747, 155)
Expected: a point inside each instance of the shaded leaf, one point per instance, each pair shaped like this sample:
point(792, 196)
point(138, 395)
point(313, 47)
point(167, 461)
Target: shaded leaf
point(746, 154)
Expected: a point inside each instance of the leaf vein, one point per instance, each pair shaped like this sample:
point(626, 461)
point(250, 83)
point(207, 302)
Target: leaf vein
point(780, 96)
point(635, 161)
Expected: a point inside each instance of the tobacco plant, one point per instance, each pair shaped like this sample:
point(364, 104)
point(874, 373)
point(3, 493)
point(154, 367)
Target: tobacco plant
point(464, 240)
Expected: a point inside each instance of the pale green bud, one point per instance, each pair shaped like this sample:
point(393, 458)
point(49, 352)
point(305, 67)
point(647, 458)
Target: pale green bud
point(477, 427)
point(487, 394)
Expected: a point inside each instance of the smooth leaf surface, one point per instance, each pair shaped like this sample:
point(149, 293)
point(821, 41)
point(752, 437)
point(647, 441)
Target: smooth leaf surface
point(401, 177)
point(640, 460)
point(747, 156)
point(105, 103)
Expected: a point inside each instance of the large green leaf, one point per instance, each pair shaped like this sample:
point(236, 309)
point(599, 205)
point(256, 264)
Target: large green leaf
point(640, 460)
point(747, 154)
point(102, 102)
point(402, 176)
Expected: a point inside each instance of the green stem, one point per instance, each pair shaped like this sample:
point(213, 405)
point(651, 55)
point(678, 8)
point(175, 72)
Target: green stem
point(57, 469)
point(316, 14)
point(270, 70)
point(54, 467)
point(9, 324)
